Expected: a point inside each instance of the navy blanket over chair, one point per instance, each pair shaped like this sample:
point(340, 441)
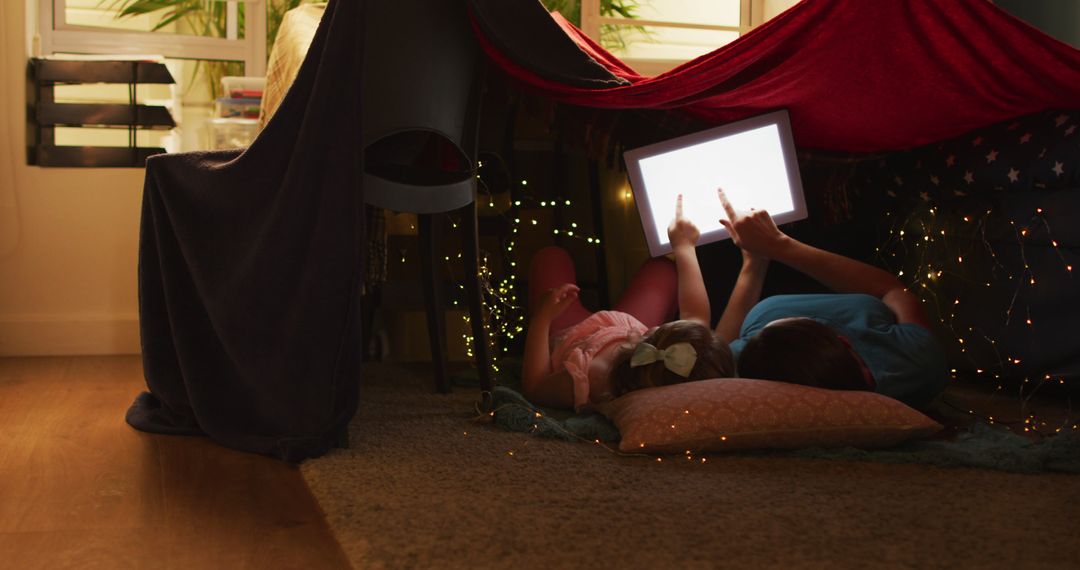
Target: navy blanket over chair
point(250, 267)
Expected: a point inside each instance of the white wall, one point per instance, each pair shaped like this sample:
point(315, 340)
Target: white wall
point(68, 237)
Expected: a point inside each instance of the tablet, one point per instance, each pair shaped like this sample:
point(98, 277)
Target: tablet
point(753, 160)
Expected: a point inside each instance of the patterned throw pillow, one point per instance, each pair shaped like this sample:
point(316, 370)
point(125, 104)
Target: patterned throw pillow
point(738, 413)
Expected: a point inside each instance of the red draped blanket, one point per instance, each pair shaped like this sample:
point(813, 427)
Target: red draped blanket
point(856, 75)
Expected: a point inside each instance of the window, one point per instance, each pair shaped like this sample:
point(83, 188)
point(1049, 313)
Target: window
point(91, 27)
point(215, 38)
point(665, 33)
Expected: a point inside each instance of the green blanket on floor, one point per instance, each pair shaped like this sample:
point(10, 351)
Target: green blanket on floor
point(977, 445)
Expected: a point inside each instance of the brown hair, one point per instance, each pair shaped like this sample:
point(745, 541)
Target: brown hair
point(714, 359)
point(802, 351)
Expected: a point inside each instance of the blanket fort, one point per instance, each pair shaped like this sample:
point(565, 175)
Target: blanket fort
point(250, 262)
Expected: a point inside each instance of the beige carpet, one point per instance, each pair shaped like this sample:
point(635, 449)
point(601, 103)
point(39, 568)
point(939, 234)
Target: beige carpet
point(425, 486)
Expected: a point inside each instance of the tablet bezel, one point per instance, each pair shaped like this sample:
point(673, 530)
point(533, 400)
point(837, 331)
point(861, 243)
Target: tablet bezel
point(633, 157)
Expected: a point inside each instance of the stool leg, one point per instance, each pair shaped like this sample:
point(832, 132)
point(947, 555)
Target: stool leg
point(431, 262)
point(471, 240)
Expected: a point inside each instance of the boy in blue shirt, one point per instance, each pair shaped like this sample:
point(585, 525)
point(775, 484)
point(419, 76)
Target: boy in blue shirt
point(871, 335)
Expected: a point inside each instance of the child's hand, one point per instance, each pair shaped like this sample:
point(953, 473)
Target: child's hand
point(556, 300)
point(682, 232)
point(754, 232)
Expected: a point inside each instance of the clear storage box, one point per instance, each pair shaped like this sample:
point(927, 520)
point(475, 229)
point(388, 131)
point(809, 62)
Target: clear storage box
point(230, 108)
point(243, 87)
point(231, 133)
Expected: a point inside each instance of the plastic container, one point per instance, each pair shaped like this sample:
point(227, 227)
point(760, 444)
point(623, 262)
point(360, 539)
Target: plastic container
point(230, 108)
point(231, 133)
point(243, 87)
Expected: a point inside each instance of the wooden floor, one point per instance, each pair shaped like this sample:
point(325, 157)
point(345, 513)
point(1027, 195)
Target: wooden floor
point(79, 488)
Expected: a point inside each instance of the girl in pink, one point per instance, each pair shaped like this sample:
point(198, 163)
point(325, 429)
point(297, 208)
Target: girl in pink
point(575, 358)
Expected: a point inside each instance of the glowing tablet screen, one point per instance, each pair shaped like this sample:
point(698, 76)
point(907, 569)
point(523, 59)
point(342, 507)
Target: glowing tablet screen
point(753, 160)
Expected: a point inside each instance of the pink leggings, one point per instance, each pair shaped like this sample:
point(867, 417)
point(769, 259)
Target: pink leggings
point(651, 297)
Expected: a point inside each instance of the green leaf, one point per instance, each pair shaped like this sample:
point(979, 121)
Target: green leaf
point(172, 17)
point(140, 7)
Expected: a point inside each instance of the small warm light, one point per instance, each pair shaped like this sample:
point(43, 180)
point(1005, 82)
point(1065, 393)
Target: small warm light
point(723, 438)
point(567, 202)
point(510, 452)
point(642, 444)
point(967, 219)
point(659, 459)
point(627, 195)
point(960, 259)
point(524, 182)
point(1038, 210)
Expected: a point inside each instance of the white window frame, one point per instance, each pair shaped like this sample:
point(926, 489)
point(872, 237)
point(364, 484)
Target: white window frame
point(58, 36)
point(751, 14)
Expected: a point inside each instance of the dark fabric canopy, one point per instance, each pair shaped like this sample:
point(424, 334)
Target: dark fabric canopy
point(250, 269)
point(856, 75)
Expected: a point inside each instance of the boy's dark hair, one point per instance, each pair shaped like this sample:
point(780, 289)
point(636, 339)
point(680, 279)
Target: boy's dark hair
point(802, 351)
point(714, 358)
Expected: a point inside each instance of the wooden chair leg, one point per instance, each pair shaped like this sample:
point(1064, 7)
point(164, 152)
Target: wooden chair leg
point(369, 304)
point(431, 262)
point(471, 239)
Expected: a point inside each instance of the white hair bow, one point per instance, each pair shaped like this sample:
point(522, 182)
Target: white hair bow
point(678, 358)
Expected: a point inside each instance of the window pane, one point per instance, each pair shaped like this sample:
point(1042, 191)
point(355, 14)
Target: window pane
point(707, 12)
point(187, 17)
point(663, 43)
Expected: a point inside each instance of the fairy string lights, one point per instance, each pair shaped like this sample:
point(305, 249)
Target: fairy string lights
point(968, 229)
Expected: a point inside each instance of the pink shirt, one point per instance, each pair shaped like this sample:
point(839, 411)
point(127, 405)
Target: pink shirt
point(598, 337)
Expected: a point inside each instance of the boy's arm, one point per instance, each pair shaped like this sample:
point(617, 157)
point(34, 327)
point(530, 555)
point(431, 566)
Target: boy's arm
point(745, 294)
point(756, 232)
